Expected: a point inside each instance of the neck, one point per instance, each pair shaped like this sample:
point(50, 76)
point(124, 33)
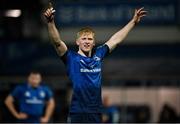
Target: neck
point(86, 54)
point(33, 86)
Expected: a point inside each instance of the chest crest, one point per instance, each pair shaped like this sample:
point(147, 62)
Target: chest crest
point(42, 94)
point(27, 94)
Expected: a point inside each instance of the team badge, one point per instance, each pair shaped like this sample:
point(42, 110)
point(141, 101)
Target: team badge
point(27, 94)
point(97, 58)
point(42, 94)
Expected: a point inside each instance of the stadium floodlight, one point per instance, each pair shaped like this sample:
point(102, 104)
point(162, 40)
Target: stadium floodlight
point(15, 13)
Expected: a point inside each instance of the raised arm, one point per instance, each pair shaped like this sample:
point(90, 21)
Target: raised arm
point(119, 36)
point(59, 45)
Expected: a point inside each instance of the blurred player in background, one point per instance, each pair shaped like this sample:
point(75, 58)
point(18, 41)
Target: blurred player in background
point(110, 113)
point(32, 98)
point(84, 67)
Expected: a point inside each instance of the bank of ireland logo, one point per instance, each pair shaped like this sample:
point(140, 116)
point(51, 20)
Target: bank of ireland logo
point(42, 94)
point(27, 94)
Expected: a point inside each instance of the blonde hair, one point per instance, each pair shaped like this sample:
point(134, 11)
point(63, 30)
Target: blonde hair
point(85, 30)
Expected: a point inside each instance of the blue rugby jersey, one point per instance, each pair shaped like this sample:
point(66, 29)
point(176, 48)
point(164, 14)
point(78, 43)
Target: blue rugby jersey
point(85, 75)
point(32, 100)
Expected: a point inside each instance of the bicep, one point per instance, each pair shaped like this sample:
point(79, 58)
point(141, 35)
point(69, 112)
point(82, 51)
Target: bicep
point(51, 102)
point(16, 93)
point(9, 99)
point(49, 94)
point(112, 43)
point(60, 47)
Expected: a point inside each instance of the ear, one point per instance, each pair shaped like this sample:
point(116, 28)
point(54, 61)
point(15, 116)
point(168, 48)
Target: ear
point(94, 43)
point(77, 42)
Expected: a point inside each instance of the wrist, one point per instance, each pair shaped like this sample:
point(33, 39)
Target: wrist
point(133, 21)
point(16, 115)
point(50, 22)
point(50, 19)
point(47, 117)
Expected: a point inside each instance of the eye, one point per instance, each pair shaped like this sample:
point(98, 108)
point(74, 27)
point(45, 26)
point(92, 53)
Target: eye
point(84, 38)
point(90, 39)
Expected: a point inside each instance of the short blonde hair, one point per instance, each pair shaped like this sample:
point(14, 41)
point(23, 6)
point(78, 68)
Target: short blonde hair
point(85, 30)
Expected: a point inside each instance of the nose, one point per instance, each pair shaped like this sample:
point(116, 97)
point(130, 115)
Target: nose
point(86, 41)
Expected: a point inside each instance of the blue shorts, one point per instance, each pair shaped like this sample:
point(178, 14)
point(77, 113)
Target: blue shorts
point(84, 118)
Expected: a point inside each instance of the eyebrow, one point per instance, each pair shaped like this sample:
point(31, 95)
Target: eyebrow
point(87, 38)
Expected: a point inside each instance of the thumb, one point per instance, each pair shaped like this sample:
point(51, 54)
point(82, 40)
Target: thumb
point(50, 5)
point(135, 11)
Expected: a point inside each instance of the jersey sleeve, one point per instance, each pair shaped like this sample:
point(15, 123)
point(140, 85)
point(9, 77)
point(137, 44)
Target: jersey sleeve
point(49, 94)
point(16, 93)
point(102, 51)
point(66, 57)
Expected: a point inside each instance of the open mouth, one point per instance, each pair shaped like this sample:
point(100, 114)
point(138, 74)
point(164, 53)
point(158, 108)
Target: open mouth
point(86, 46)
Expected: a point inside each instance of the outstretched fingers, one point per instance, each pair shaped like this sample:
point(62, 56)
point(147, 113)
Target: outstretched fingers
point(139, 13)
point(142, 16)
point(139, 10)
point(143, 12)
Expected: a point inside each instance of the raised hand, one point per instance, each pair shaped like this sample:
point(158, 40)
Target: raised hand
point(49, 13)
point(139, 13)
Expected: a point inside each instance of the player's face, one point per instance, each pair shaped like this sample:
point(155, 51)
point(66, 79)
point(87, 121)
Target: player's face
point(86, 42)
point(34, 79)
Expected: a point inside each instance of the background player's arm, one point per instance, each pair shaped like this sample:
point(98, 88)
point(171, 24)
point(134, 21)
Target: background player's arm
point(9, 102)
point(60, 46)
point(121, 34)
point(49, 110)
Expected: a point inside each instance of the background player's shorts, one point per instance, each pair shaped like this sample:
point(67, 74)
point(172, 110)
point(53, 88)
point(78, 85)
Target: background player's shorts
point(84, 118)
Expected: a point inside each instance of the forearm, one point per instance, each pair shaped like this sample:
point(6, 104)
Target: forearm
point(120, 35)
point(49, 109)
point(59, 45)
point(11, 107)
point(55, 38)
point(53, 33)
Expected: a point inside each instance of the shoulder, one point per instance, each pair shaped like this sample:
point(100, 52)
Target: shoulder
point(45, 87)
point(72, 52)
point(102, 47)
point(21, 86)
point(18, 90)
point(102, 50)
point(68, 53)
point(47, 90)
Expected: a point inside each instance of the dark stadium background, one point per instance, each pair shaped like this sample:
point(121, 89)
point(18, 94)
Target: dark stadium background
point(140, 77)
